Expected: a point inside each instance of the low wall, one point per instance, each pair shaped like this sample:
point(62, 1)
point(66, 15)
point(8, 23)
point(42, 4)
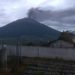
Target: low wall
point(65, 53)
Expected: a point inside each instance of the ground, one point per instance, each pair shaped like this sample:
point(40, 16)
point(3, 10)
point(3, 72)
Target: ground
point(38, 66)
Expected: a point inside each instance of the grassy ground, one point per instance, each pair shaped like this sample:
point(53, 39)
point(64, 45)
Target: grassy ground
point(15, 66)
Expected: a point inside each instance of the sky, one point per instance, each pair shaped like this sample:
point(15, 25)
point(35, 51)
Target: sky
point(60, 14)
point(11, 10)
point(58, 4)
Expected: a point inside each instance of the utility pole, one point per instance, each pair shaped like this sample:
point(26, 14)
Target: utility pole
point(20, 41)
point(17, 52)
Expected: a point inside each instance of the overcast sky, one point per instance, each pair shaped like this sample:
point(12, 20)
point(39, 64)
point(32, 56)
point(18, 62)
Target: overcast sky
point(11, 10)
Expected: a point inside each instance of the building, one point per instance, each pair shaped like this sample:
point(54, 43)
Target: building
point(61, 44)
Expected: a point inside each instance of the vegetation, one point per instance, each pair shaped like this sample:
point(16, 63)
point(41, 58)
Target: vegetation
point(17, 67)
point(67, 36)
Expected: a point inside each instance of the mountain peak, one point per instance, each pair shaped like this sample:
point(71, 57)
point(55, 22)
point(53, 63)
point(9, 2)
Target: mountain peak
point(28, 28)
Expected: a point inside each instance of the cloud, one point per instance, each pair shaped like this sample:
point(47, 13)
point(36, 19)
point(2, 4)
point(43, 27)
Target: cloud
point(60, 20)
point(59, 14)
point(57, 4)
point(11, 10)
point(56, 11)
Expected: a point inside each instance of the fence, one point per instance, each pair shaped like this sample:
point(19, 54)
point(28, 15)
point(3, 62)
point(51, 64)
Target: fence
point(30, 51)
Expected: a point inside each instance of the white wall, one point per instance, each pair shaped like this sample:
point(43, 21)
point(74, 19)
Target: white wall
point(65, 53)
point(61, 43)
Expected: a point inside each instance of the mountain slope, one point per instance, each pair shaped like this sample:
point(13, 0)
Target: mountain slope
point(30, 29)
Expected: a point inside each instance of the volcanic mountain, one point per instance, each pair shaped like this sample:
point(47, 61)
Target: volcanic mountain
point(29, 29)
